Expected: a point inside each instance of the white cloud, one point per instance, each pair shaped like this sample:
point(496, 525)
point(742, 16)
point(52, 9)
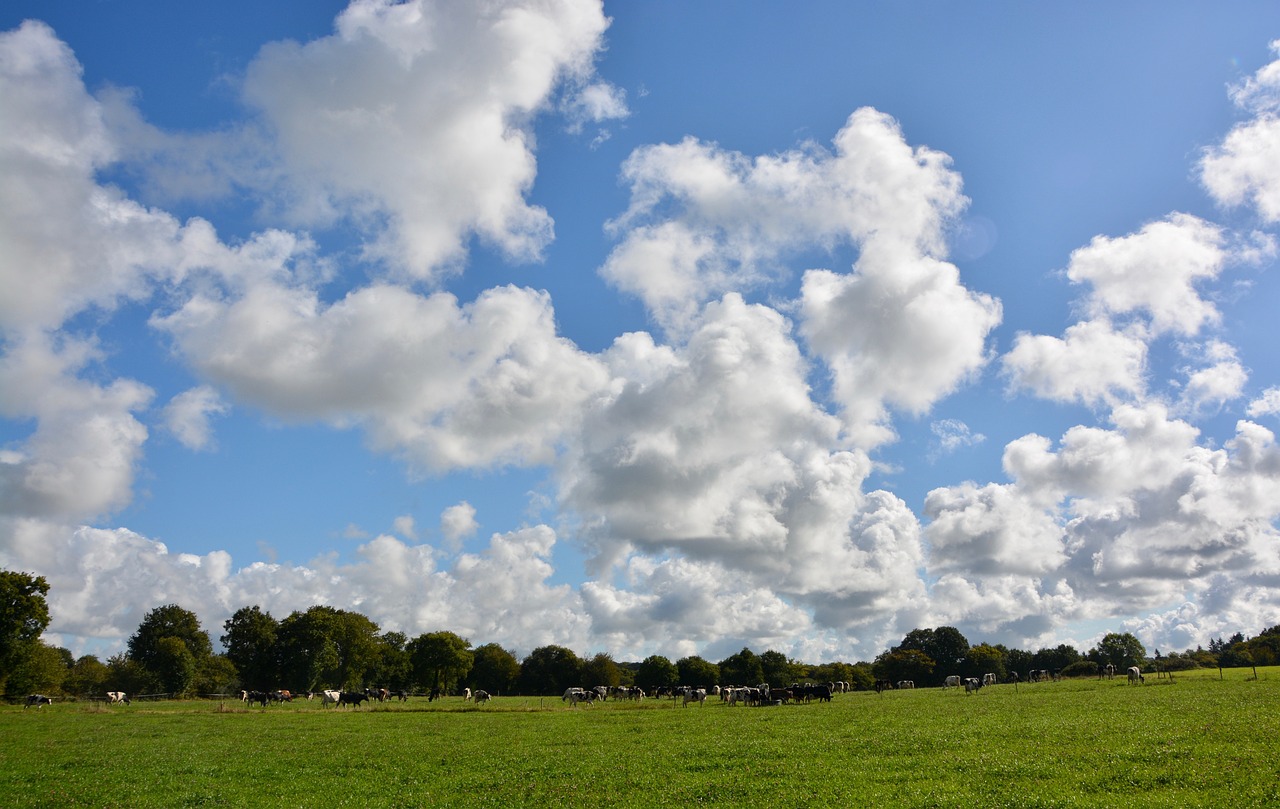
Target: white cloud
point(1268, 404)
point(950, 435)
point(443, 384)
point(405, 527)
point(1092, 363)
point(412, 120)
point(187, 416)
point(1245, 167)
point(1208, 388)
point(458, 522)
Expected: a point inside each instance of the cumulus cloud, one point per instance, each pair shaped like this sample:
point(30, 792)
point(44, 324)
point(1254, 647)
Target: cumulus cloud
point(412, 121)
point(458, 522)
point(442, 383)
point(1092, 363)
point(1268, 404)
point(1245, 167)
point(187, 416)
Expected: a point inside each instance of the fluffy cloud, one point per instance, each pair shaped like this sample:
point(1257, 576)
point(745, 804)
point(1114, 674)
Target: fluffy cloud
point(1245, 167)
point(412, 120)
point(441, 383)
point(1091, 363)
point(187, 416)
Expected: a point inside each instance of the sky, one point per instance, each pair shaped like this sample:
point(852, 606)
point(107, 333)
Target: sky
point(665, 328)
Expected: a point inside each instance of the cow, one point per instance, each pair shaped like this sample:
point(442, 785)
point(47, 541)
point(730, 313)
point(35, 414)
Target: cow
point(698, 695)
point(952, 682)
point(329, 697)
point(971, 684)
point(1109, 671)
point(575, 695)
point(989, 678)
point(380, 694)
point(480, 696)
point(466, 694)
point(401, 695)
point(351, 698)
point(906, 684)
point(883, 685)
point(1135, 675)
point(38, 700)
point(260, 697)
point(114, 697)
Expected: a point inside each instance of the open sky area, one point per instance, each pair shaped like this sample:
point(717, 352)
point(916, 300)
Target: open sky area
point(645, 328)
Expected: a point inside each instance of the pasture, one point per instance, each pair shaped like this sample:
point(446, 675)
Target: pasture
point(1196, 741)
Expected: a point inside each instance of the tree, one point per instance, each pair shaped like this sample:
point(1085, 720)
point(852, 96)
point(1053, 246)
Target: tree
point(777, 669)
point(42, 670)
point(440, 659)
point(945, 646)
point(697, 672)
point(24, 614)
point(326, 645)
point(550, 670)
point(601, 670)
point(656, 672)
point(1059, 657)
point(494, 669)
point(173, 665)
point(250, 641)
point(985, 659)
point(904, 664)
point(169, 621)
point(742, 668)
point(394, 668)
point(88, 675)
point(216, 674)
point(1121, 650)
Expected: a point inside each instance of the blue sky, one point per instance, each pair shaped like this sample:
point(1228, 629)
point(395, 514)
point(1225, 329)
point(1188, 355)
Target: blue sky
point(650, 328)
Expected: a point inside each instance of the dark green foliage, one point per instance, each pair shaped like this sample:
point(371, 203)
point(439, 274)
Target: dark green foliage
point(906, 664)
point(250, 641)
point(24, 614)
point(42, 670)
point(742, 668)
point(88, 676)
point(494, 669)
point(657, 672)
point(1120, 650)
point(1080, 668)
point(440, 660)
point(169, 621)
point(326, 647)
point(698, 672)
point(601, 670)
point(549, 671)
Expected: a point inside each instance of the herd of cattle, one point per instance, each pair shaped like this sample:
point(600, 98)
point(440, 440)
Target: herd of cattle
point(762, 694)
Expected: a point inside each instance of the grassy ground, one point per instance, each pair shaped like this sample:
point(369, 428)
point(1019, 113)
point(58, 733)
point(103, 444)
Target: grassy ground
point(1193, 741)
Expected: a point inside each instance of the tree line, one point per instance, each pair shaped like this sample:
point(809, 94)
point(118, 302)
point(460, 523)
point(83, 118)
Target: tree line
point(325, 647)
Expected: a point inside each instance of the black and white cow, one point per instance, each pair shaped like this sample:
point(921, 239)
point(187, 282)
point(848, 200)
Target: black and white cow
point(1135, 675)
point(480, 696)
point(352, 698)
point(114, 697)
point(38, 700)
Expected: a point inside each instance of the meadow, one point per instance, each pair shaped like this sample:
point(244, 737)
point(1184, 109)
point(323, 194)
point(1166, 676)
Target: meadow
point(1193, 741)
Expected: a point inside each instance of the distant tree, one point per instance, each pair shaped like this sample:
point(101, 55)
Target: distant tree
point(697, 672)
point(743, 668)
point(394, 666)
point(494, 669)
point(985, 659)
point(657, 671)
point(216, 674)
point(440, 660)
point(250, 641)
point(906, 664)
point(862, 677)
point(1018, 660)
point(550, 670)
point(307, 653)
point(601, 670)
point(777, 669)
point(830, 673)
point(88, 676)
point(1057, 658)
point(1080, 668)
point(42, 670)
point(126, 674)
point(24, 614)
point(1121, 650)
point(173, 665)
point(169, 621)
point(945, 646)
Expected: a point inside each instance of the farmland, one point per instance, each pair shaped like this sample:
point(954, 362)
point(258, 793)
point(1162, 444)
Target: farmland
point(1196, 741)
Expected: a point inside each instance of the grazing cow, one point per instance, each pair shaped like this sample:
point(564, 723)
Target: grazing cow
point(1109, 671)
point(989, 678)
point(329, 697)
point(114, 697)
point(971, 684)
point(401, 695)
point(38, 700)
point(480, 696)
point(698, 695)
point(883, 685)
point(435, 694)
point(466, 694)
point(351, 698)
point(260, 697)
point(952, 682)
point(906, 684)
point(1135, 675)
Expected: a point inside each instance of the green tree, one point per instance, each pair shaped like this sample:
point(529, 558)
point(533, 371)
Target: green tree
point(1059, 657)
point(440, 659)
point(601, 670)
point(742, 669)
point(173, 665)
point(904, 664)
point(24, 615)
point(169, 621)
point(394, 668)
point(42, 670)
point(945, 646)
point(125, 674)
point(250, 641)
point(697, 672)
point(494, 669)
point(308, 655)
point(216, 674)
point(985, 659)
point(550, 670)
point(88, 676)
point(656, 672)
point(1121, 650)
point(777, 669)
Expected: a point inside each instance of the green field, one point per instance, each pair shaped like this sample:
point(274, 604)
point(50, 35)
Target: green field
point(1196, 741)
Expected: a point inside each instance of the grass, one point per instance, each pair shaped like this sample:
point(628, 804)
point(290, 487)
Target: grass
point(1195, 741)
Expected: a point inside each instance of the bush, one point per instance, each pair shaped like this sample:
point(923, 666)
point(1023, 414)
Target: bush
point(1081, 668)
